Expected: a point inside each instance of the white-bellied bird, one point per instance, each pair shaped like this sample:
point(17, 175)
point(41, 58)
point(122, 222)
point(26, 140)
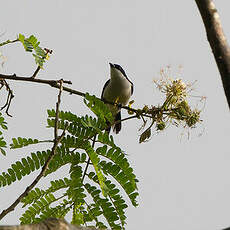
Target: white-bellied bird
point(118, 89)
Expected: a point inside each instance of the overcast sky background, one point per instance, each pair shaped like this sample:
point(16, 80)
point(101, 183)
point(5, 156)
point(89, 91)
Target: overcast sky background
point(184, 184)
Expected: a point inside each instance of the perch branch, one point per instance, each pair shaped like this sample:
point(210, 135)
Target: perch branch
point(52, 83)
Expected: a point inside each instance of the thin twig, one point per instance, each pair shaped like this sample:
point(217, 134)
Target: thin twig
point(88, 162)
point(10, 96)
point(48, 51)
point(36, 72)
point(8, 42)
point(57, 110)
point(57, 140)
point(7, 101)
point(125, 119)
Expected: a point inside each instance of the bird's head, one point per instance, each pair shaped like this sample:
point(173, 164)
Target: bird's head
point(117, 71)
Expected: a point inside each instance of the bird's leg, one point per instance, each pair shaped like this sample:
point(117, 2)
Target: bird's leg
point(116, 103)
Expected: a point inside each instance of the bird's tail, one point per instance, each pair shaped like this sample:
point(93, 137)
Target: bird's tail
point(109, 127)
point(117, 126)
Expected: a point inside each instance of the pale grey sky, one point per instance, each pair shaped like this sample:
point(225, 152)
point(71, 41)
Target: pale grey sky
point(183, 184)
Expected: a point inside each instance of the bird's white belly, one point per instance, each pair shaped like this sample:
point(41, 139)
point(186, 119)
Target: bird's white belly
point(119, 93)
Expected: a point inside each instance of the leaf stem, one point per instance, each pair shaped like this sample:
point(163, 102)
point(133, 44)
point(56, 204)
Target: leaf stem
point(88, 162)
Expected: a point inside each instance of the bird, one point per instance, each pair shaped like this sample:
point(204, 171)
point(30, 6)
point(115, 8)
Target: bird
point(118, 89)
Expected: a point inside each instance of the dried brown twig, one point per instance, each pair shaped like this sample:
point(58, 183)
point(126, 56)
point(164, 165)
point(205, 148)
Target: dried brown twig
point(10, 95)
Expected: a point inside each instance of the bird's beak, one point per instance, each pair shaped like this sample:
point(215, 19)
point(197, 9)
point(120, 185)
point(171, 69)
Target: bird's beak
point(111, 65)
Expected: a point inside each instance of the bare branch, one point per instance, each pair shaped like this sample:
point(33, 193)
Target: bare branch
point(10, 96)
point(43, 81)
point(55, 84)
point(52, 83)
point(217, 41)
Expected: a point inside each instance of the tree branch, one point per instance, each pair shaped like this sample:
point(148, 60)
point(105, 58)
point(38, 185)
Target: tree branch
point(56, 84)
point(217, 41)
point(49, 224)
point(57, 140)
point(8, 42)
point(52, 83)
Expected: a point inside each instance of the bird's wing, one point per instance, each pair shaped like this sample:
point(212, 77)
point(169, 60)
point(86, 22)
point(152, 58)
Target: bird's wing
point(130, 83)
point(104, 88)
point(131, 88)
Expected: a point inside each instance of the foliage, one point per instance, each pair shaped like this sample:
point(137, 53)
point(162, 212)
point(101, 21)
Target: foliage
point(21, 142)
point(2, 141)
point(100, 177)
point(96, 196)
point(30, 44)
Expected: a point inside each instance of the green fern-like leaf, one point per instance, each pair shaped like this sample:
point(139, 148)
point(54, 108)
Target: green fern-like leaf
point(107, 139)
point(68, 116)
point(22, 142)
point(24, 167)
point(57, 212)
point(76, 190)
point(120, 177)
point(95, 161)
point(120, 170)
point(3, 123)
point(78, 216)
point(106, 162)
point(106, 206)
point(114, 195)
point(62, 157)
point(81, 127)
point(117, 201)
point(98, 108)
point(73, 142)
point(31, 44)
point(35, 209)
point(92, 213)
point(37, 193)
point(3, 144)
